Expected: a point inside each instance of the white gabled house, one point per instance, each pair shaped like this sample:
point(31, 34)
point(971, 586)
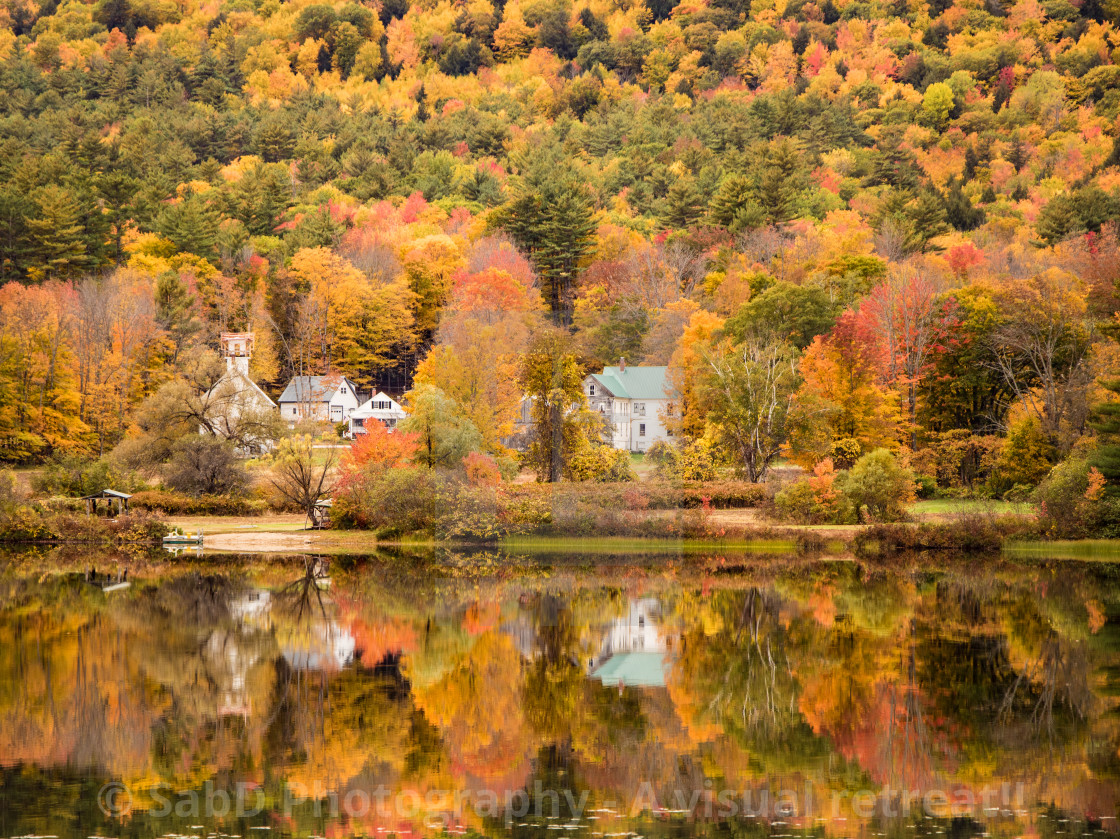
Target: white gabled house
point(379, 407)
point(320, 398)
point(634, 402)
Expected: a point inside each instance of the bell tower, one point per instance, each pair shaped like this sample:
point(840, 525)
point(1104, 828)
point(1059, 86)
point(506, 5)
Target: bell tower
point(237, 349)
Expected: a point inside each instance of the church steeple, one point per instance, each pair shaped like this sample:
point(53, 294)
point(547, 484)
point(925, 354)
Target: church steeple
point(237, 349)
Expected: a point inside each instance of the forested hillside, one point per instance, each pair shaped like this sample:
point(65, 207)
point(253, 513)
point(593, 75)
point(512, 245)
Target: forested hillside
point(899, 214)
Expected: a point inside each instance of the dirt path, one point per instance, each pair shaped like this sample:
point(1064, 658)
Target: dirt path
point(271, 534)
point(262, 542)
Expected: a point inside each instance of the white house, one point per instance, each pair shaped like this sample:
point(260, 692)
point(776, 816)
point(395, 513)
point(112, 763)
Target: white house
point(634, 401)
point(322, 398)
point(379, 407)
point(235, 406)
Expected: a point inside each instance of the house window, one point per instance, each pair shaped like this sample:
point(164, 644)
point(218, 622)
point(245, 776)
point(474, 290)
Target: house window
point(591, 389)
point(343, 388)
point(641, 429)
point(640, 409)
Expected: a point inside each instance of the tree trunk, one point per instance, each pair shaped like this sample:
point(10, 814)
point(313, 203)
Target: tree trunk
point(556, 462)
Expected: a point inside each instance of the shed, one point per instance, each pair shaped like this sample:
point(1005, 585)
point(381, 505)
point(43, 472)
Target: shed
point(110, 497)
point(321, 514)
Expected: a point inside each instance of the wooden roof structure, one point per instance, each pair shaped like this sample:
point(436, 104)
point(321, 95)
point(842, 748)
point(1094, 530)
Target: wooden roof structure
point(111, 497)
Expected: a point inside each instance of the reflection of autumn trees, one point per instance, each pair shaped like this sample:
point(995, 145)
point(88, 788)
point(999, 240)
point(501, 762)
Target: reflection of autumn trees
point(467, 676)
point(738, 681)
point(329, 730)
point(477, 706)
point(72, 693)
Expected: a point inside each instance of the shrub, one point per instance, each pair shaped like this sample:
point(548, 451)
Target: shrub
point(878, 487)
point(601, 463)
point(1025, 459)
point(654, 495)
point(448, 505)
point(797, 503)
point(925, 486)
point(844, 453)
point(661, 454)
point(1072, 502)
point(393, 502)
point(482, 470)
point(205, 465)
point(381, 448)
point(470, 512)
point(812, 500)
point(9, 490)
point(686, 461)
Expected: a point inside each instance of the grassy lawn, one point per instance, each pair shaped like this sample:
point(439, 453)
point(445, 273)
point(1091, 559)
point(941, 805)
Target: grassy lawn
point(642, 467)
point(944, 508)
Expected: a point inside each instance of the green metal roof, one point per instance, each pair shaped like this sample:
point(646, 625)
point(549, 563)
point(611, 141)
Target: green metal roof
point(633, 670)
point(636, 382)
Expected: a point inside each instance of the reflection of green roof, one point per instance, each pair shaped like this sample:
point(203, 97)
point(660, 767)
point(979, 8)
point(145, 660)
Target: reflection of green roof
point(636, 382)
point(632, 669)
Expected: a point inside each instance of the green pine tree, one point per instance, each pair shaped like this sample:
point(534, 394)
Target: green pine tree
point(927, 220)
point(1058, 219)
point(56, 233)
point(683, 204)
point(735, 192)
point(1106, 422)
point(551, 219)
point(192, 225)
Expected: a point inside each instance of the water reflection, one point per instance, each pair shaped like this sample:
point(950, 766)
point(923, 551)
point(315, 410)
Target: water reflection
point(652, 696)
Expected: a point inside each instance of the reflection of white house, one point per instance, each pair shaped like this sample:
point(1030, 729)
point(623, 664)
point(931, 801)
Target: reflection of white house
point(233, 653)
point(633, 648)
point(630, 650)
point(634, 401)
point(314, 644)
point(235, 397)
point(380, 407)
point(324, 646)
point(322, 398)
point(254, 608)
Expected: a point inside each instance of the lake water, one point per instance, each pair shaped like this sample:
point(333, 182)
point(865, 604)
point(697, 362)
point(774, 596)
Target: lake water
point(559, 696)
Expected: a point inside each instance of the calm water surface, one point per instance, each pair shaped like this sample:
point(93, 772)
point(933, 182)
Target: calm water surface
point(560, 696)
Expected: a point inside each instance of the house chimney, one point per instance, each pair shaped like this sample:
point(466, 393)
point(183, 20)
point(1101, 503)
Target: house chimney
point(622, 364)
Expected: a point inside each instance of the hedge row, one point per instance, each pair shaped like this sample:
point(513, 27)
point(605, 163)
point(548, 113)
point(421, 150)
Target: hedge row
point(24, 523)
point(650, 495)
point(178, 504)
point(969, 534)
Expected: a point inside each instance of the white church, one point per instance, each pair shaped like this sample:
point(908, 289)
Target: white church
point(235, 397)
